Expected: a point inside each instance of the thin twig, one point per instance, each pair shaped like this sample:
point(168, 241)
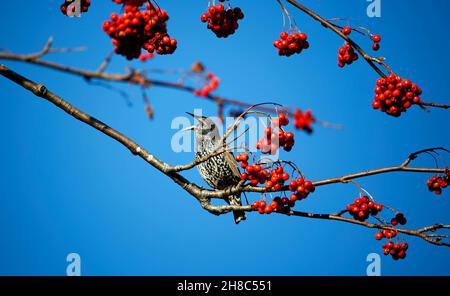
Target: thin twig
point(134, 77)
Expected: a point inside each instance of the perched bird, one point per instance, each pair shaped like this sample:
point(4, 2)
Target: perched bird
point(220, 171)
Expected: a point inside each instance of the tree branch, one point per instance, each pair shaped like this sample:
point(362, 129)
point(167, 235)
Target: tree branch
point(345, 178)
point(41, 91)
point(135, 77)
point(422, 232)
point(204, 196)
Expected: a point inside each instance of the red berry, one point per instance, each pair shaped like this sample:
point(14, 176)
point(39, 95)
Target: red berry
point(376, 38)
point(375, 105)
point(282, 119)
point(273, 204)
point(394, 221)
point(292, 185)
point(346, 30)
point(302, 37)
point(378, 236)
point(284, 35)
point(293, 197)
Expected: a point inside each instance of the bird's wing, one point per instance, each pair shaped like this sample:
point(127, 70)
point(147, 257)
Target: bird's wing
point(232, 162)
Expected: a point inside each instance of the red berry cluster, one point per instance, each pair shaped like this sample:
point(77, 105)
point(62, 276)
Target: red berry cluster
point(397, 251)
point(276, 179)
point(304, 121)
point(136, 29)
point(278, 204)
point(66, 10)
point(437, 183)
point(131, 2)
point(300, 188)
point(262, 207)
point(398, 219)
point(213, 83)
point(363, 207)
point(280, 120)
point(222, 21)
point(253, 173)
point(376, 42)
point(347, 55)
point(385, 233)
point(291, 44)
point(145, 56)
point(276, 137)
point(395, 95)
point(243, 159)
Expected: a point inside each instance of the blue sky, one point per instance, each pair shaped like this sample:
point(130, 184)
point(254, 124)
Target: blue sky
point(66, 188)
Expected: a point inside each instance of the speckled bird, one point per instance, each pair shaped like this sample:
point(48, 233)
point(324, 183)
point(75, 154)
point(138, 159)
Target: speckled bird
point(219, 171)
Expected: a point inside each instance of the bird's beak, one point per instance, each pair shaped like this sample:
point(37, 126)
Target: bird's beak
point(199, 118)
point(189, 128)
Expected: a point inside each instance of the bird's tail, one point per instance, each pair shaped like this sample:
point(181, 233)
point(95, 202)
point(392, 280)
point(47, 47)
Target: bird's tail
point(235, 200)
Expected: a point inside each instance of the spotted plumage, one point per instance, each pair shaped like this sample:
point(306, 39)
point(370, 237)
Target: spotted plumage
point(220, 171)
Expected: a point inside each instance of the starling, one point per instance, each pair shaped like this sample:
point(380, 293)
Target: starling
point(220, 171)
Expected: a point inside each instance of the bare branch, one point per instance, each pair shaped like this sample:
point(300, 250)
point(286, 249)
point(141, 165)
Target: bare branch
point(136, 78)
point(105, 63)
point(133, 78)
point(422, 233)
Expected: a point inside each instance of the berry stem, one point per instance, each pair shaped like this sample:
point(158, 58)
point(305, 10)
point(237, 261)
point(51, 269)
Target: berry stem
point(436, 105)
point(370, 60)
